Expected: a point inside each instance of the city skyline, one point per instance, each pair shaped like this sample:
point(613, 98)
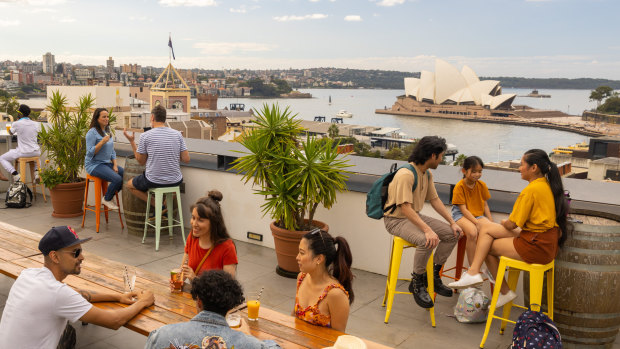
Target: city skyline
point(527, 38)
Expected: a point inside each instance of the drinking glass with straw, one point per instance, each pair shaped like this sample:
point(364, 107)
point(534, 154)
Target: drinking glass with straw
point(254, 305)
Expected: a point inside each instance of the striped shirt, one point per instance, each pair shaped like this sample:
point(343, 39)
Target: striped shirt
point(163, 147)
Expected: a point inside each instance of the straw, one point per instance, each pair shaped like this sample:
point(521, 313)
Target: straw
point(260, 294)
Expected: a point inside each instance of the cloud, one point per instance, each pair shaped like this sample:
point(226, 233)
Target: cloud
point(9, 23)
point(537, 0)
point(299, 18)
point(139, 18)
point(389, 3)
point(227, 48)
point(44, 2)
point(67, 20)
point(314, 0)
point(187, 3)
point(44, 10)
point(241, 9)
point(353, 18)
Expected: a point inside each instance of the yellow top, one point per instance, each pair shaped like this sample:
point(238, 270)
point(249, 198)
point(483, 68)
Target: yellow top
point(534, 209)
point(473, 198)
point(399, 191)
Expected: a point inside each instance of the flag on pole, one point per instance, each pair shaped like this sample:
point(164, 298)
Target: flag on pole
point(170, 45)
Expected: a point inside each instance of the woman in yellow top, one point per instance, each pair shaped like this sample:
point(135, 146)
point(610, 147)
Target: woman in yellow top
point(540, 211)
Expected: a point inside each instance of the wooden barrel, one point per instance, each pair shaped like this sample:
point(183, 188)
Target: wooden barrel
point(134, 208)
point(587, 283)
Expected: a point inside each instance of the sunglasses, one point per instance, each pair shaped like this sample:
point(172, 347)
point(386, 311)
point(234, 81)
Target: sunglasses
point(318, 231)
point(76, 253)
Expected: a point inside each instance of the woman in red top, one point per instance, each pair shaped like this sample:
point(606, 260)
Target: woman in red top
point(208, 245)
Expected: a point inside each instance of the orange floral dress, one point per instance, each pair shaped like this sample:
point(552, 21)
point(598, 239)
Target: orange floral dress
point(311, 313)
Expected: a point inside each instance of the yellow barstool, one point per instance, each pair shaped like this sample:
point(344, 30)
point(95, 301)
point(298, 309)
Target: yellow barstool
point(537, 274)
point(22, 173)
point(398, 245)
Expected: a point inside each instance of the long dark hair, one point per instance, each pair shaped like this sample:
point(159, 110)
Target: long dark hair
point(337, 261)
point(94, 122)
point(471, 162)
point(427, 147)
point(550, 171)
point(209, 207)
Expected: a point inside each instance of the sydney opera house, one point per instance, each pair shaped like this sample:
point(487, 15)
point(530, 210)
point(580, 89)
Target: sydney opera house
point(448, 91)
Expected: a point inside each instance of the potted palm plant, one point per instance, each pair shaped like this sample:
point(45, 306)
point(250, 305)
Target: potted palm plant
point(64, 141)
point(294, 176)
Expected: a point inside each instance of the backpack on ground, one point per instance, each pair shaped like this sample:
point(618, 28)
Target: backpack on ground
point(535, 330)
point(472, 306)
point(17, 195)
point(378, 193)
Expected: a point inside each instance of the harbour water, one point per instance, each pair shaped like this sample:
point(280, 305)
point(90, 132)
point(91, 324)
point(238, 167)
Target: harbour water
point(492, 142)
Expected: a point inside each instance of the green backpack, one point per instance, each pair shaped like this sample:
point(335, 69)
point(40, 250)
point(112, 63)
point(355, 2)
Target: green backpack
point(378, 194)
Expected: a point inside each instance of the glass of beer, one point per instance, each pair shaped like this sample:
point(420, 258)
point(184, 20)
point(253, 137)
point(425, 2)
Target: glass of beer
point(234, 320)
point(8, 127)
point(253, 305)
point(176, 280)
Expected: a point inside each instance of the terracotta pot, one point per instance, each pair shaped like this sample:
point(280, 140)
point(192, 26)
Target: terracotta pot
point(287, 246)
point(68, 199)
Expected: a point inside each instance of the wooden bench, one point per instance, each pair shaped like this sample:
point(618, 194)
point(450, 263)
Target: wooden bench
point(17, 247)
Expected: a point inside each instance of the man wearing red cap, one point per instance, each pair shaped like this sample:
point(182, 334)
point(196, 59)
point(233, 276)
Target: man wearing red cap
point(39, 296)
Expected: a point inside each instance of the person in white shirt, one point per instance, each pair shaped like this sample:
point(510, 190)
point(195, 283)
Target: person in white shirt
point(39, 303)
point(27, 131)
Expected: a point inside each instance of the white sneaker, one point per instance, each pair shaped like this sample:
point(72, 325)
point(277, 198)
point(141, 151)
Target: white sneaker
point(505, 298)
point(466, 281)
point(17, 178)
point(109, 204)
point(488, 274)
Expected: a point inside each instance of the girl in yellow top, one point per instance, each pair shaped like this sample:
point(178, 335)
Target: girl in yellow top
point(540, 211)
point(470, 209)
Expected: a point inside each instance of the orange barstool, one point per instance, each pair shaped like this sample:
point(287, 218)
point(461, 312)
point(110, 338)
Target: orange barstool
point(22, 174)
point(100, 187)
point(460, 256)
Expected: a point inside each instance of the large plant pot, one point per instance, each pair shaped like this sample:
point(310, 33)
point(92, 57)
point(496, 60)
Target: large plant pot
point(287, 246)
point(68, 199)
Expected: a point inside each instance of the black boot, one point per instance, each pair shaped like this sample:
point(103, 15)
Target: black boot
point(420, 295)
point(440, 288)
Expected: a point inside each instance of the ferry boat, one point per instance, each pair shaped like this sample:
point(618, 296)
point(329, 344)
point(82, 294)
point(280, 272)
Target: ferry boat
point(344, 114)
point(583, 146)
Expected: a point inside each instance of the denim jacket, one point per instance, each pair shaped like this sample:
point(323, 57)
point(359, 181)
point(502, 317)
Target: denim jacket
point(205, 324)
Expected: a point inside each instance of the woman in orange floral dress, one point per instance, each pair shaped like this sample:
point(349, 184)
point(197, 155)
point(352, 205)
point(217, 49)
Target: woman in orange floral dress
point(324, 291)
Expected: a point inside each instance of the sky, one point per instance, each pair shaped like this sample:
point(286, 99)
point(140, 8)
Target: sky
point(527, 38)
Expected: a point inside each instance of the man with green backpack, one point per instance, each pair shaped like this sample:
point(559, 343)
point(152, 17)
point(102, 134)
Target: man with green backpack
point(411, 186)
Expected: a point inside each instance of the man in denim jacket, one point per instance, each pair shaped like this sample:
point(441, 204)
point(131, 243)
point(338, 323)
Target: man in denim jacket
point(215, 292)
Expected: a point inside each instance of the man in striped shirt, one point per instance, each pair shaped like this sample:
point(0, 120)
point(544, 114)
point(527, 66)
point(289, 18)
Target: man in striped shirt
point(161, 149)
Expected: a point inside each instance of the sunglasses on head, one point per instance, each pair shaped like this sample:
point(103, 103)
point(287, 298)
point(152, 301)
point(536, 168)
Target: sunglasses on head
point(318, 231)
point(76, 253)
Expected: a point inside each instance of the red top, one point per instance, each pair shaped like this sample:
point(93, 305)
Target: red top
point(222, 254)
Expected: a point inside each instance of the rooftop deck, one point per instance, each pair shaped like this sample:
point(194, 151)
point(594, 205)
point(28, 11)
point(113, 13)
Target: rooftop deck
point(409, 325)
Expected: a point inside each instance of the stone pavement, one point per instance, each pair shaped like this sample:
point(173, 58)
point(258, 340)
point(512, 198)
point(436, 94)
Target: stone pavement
point(409, 325)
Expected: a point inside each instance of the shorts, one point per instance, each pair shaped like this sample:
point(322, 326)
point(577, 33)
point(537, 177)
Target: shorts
point(537, 248)
point(457, 214)
point(143, 184)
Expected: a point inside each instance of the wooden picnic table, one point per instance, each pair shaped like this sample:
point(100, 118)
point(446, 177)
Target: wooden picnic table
point(19, 248)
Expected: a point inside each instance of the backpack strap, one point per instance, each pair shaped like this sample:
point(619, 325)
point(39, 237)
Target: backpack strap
point(408, 166)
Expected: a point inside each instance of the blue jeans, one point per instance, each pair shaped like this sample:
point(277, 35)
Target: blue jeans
point(105, 172)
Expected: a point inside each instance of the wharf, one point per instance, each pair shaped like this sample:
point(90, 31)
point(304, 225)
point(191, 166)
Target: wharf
point(500, 120)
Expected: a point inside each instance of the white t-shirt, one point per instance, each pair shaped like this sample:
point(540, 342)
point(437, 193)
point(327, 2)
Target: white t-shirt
point(26, 131)
point(37, 310)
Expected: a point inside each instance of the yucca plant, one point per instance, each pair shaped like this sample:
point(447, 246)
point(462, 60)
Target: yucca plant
point(294, 176)
point(64, 138)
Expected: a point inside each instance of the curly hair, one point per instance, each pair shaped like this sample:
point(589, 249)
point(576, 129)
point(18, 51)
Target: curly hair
point(218, 291)
point(426, 148)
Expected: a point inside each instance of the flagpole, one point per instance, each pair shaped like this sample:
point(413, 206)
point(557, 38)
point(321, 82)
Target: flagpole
point(170, 49)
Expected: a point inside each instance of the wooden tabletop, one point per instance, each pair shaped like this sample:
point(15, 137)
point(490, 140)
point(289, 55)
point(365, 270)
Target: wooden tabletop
point(17, 247)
